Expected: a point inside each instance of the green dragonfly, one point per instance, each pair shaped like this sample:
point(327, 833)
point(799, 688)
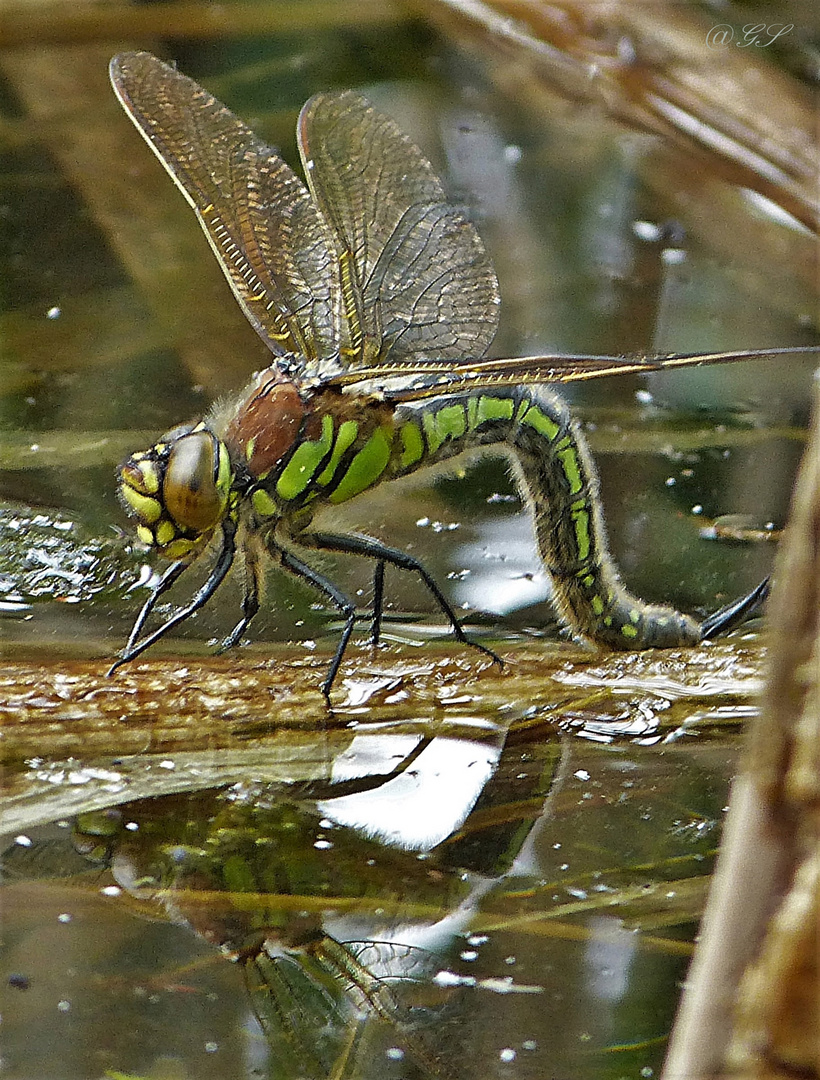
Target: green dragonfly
point(378, 302)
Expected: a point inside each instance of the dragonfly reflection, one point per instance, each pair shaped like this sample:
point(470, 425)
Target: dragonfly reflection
point(254, 880)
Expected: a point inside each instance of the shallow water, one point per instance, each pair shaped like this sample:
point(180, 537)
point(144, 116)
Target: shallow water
point(512, 884)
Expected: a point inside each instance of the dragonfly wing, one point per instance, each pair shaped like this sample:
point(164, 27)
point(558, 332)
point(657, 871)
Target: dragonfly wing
point(258, 216)
point(416, 381)
point(415, 278)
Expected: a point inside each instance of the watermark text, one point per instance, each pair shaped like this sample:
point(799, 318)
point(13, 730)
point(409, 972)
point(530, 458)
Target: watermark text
point(759, 34)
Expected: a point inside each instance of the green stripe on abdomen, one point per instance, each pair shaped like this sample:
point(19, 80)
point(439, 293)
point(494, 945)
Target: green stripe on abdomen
point(559, 481)
point(367, 466)
point(300, 470)
point(343, 462)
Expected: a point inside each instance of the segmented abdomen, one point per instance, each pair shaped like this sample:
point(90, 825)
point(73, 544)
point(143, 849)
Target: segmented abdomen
point(558, 479)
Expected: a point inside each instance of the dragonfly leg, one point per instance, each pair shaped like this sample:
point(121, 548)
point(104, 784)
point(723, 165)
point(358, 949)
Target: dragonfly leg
point(250, 598)
point(223, 564)
point(373, 549)
point(378, 602)
point(732, 615)
point(346, 607)
point(162, 586)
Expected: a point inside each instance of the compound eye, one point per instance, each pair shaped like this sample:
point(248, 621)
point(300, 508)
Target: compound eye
point(194, 489)
point(175, 433)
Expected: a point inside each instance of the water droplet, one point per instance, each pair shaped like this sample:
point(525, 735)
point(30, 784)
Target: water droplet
point(646, 230)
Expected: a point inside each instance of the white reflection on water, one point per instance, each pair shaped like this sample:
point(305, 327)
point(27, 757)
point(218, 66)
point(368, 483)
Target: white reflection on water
point(505, 571)
point(442, 786)
point(608, 957)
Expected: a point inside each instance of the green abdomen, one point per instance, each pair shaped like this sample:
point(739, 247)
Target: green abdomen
point(558, 479)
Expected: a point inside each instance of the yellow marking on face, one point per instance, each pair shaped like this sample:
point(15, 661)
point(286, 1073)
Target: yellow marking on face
point(150, 477)
point(148, 483)
point(224, 475)
point(178, 548)
point(145, 535)
point(165, 533)
point(629, 631)
point(147, 509)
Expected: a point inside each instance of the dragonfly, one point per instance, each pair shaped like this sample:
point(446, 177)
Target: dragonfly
point(378, 301)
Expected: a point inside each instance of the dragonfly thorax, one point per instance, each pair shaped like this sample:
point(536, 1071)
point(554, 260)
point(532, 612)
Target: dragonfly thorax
point(179, 490)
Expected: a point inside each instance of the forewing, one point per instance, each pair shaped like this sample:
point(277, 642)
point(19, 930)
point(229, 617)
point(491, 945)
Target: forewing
point(417, 382)
point(416, 281)
point(258, 216)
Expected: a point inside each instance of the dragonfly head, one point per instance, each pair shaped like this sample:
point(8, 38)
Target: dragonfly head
point(178, 491)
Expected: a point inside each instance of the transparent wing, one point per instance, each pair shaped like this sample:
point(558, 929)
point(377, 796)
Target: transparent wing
point(416, 281)
point(258, 216)
point(417, 381)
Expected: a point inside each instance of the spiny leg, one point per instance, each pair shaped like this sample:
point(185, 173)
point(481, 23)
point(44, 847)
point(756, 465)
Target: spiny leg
point(373, 549)
point(172, 573)
point(250, 597)
point(732, 615)
point(346, 607)
point(201, 597)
